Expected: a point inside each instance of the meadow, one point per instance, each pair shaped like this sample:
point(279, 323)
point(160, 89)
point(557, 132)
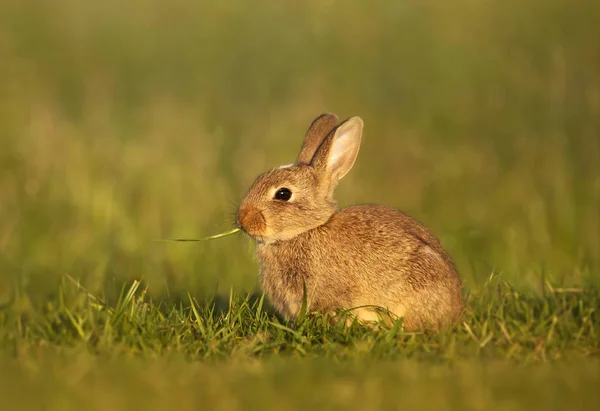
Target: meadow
point(123, 122)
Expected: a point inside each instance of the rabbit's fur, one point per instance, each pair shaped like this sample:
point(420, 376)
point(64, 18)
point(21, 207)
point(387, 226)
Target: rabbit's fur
point(359, 258)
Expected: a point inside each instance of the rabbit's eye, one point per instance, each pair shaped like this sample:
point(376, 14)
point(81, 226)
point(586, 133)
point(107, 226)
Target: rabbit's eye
point(283, 194)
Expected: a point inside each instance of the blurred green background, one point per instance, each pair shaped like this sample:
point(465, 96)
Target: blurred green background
point(126, 121)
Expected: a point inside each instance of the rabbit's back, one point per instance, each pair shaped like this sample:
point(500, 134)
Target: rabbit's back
point(364, 255)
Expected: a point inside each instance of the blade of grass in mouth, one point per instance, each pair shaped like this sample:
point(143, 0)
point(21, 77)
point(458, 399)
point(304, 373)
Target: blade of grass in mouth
point(212, 237)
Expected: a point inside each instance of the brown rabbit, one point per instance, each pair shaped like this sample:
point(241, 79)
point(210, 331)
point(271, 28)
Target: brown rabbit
point(360, 258)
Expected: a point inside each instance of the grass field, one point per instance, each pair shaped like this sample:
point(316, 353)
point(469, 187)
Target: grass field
point(122, 122)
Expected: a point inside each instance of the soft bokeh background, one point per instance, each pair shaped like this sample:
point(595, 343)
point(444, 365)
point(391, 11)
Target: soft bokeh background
point(126, 121)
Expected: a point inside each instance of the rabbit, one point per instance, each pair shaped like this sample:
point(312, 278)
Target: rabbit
point(363, 258)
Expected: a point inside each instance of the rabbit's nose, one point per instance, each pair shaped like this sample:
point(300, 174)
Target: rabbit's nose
point(250, 220)
point(240, 217)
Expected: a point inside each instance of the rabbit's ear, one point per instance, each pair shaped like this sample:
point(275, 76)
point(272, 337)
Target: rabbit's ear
point(316, 133)
point(336, 156)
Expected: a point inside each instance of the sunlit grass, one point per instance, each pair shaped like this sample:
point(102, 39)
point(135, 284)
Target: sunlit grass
point(80, 341)
point(498, 323)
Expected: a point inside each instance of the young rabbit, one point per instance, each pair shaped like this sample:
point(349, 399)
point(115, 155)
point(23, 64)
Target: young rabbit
point(362, 258)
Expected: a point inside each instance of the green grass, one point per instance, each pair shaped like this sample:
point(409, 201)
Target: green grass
point(122, 122)
point(498, 323)
point(509, 350)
